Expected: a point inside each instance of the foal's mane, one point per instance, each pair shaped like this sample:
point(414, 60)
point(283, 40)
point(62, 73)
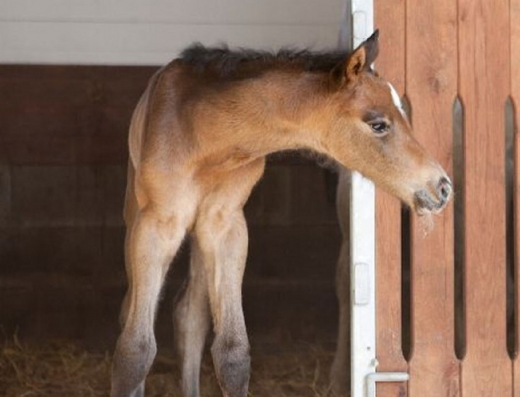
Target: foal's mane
point(230, 64)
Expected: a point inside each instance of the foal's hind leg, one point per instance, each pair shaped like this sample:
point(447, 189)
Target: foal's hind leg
point(130, 213)
point(191, 323)
point(153, 242)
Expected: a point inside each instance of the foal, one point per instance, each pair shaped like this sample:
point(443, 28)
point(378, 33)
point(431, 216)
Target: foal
point(198, 141)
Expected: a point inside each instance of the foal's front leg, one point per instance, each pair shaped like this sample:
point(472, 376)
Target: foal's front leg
point(340, 371)
point(223, 244)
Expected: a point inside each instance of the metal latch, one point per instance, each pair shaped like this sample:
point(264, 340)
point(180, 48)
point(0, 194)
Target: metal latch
point(375, 377)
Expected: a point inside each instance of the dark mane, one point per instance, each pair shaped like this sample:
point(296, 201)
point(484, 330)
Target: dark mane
point(228, 63)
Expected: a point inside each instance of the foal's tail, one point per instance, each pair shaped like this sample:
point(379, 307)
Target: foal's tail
point(135, 145)
point(138, 122)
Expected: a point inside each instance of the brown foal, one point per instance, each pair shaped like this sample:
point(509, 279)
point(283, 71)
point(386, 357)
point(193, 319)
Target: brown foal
point(198, 141)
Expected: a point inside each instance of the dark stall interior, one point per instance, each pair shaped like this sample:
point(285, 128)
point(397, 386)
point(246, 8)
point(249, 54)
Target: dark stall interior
point(63, 160)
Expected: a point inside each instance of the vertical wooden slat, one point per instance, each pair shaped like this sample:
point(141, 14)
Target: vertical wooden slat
point(431, 84)
point(514, 18)
point(483, 87)
point(390, 19)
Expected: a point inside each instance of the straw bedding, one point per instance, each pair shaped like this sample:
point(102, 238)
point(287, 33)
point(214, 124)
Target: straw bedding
point(65, 369)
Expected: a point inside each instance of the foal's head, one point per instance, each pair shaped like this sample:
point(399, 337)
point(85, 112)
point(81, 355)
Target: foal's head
point(375, 137)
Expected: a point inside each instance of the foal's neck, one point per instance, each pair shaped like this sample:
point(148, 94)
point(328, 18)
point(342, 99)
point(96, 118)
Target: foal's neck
point(284, 110)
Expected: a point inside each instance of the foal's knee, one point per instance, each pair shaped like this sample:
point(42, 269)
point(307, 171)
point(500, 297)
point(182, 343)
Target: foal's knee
point(232, 365)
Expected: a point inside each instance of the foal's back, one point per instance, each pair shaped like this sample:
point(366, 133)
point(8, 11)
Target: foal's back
point(201, 105)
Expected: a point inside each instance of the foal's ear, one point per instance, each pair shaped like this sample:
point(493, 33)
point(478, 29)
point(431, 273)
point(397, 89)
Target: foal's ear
point(362, 57)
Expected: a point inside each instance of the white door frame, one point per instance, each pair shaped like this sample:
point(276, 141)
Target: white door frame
point(359, 15)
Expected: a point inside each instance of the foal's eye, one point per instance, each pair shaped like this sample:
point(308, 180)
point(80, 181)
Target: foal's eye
point(379, 127)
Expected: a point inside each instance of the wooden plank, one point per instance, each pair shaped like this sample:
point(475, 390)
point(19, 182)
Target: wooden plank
point(67, 115)
point(390, 19)
point(484, 86)
point(514, 18)
point(194, 12)
point(153, 32)
point(144, 44)
point(431, 83)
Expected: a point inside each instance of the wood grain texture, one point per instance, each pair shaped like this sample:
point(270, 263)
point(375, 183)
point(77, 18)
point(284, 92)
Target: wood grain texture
point(514, 18)
point(483, 86)
point(431, 84)
point(390, 19)
point(57, 115)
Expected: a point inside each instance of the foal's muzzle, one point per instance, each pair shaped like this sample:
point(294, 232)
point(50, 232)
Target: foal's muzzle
point(433, 200)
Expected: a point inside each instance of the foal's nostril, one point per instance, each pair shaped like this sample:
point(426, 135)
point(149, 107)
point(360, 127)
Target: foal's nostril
point(444, 188)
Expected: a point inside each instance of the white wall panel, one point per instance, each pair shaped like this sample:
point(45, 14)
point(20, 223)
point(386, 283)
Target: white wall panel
point(153, 32)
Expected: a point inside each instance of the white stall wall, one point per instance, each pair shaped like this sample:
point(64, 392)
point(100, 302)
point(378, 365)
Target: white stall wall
point(151, 32)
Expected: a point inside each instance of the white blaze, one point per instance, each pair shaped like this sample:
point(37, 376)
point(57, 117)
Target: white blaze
point(397, 100)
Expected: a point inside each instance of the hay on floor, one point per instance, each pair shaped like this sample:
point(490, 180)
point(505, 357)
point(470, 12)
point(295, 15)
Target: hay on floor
point(65, 369)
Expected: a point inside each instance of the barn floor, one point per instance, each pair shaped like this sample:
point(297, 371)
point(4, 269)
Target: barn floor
point(66, 369)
